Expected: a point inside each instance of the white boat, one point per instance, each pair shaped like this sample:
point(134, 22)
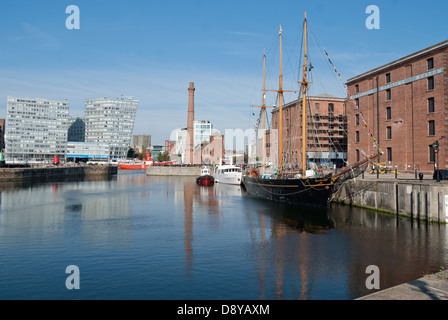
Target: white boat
point(228, 174)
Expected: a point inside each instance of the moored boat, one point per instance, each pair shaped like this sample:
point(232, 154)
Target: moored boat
point(205, 179)
point(137, 165)
point(228, 174)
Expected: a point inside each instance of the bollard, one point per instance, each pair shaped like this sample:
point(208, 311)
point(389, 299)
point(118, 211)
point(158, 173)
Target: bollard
point(418, 205)
point(420, 176)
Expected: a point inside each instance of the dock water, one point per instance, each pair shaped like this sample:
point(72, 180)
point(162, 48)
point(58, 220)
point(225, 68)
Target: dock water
point(404, 195)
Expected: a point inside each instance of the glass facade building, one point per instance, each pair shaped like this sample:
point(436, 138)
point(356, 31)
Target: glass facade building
point(36, 129)
point(111, 121)
point(202, 132)
point(83, 151)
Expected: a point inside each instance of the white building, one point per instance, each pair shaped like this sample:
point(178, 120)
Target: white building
point(181, 143)
point(111, 121)
point(202, 132)
point(36, 129)
point(84, 151)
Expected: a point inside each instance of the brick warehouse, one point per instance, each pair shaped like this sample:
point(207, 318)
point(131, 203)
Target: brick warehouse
point(405, 106)
point(326, 130)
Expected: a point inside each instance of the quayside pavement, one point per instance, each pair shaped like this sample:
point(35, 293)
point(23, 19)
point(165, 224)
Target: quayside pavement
point(428, 287)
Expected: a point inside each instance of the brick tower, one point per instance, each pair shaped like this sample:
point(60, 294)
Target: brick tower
point(190, 127)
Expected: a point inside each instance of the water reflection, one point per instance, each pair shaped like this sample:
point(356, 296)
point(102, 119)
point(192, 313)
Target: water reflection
point(205, 199)
point(43, 207)
point(297, 252)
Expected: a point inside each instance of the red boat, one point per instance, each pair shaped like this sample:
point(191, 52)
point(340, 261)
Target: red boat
point(138, 166)
point(205, 179)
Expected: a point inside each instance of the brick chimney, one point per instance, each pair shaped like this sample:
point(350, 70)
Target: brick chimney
point(190, 128)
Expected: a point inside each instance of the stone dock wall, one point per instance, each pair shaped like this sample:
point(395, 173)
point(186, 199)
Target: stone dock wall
point(173, 171)
point(44, 173)
point(424, 200)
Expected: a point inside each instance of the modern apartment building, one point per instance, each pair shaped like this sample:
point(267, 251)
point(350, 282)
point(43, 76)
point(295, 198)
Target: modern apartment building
point(403, 106)
point(36, 129)
point(111, 121)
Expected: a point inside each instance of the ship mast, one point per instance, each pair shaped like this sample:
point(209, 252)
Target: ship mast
point(280, 92)
point(264, 109)
point(280, 101)
point(304, 83)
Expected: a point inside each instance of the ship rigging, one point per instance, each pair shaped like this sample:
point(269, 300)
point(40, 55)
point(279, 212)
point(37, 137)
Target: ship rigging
point(298, 185)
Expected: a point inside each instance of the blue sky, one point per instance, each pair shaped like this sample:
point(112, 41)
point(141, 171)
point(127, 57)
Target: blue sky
point(152, 50)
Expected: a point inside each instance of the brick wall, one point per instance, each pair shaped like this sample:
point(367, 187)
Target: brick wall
point(406, 133)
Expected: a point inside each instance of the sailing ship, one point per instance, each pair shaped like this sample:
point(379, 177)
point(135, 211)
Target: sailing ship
point(300, 186)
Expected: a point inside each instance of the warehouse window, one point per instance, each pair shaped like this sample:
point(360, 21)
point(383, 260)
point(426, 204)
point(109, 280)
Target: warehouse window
point(388, 78)
point(389, 133)
point(388, 95)
point(357, 136)
point(431, 83)
point(430, 63)
point(388, 113)
point(430, 105)
point(431, 128)
point(432, 154)
point(389, 154)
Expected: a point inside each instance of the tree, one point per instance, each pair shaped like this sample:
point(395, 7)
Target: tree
point(131, 153)
point(163, 156)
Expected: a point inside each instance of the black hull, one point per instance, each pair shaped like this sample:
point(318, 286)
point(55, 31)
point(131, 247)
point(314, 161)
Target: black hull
point(206, 180)
point(306, 192)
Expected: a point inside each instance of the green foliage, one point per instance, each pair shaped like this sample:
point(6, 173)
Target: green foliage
point(163, 156)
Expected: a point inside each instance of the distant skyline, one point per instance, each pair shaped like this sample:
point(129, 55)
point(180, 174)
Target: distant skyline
point(152, 50)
